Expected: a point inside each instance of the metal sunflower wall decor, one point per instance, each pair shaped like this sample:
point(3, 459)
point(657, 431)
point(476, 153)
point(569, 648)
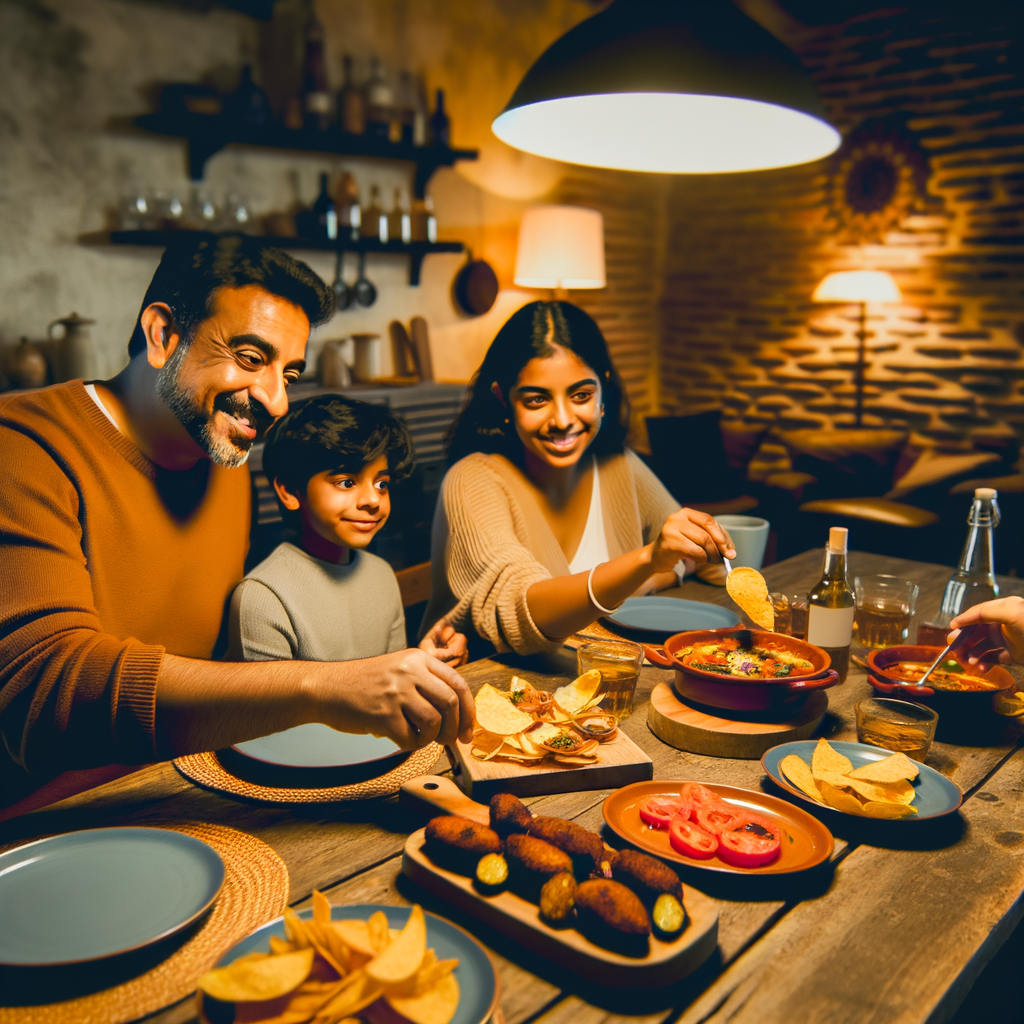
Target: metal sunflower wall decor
point(879, 175)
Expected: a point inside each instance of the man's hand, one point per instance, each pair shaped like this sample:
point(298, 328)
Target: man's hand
point(408, 696)
point(446, 644)
point(1005, 617)
point(689, 534)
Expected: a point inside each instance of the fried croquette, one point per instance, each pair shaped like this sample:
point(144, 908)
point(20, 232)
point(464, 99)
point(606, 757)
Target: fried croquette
point(509, 814)
point(557, 898)
point(584, 846)
point(492, 871)
point(647, 876)
point(613, 905)
point(463, 834)
point(668, 914)
point(536, 856)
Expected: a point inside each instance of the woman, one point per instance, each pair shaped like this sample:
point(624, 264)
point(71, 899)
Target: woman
point(546, 521)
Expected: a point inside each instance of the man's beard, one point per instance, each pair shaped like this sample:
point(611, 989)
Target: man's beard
point(229, 452)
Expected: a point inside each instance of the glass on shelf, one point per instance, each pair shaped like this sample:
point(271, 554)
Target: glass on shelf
point(238, 214)
point(137, 213)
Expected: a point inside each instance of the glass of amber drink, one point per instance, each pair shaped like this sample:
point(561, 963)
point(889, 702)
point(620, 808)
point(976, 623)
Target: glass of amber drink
point(619, 664)
point(885, 606)
point(896, 725)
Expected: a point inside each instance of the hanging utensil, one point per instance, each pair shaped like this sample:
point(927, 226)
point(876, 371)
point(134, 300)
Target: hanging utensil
point(365, 290)
point(342, 292)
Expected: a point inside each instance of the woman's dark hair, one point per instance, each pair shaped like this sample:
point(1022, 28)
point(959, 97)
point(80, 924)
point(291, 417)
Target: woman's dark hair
point(333, 432)
point(192, 269)
point(484, 425)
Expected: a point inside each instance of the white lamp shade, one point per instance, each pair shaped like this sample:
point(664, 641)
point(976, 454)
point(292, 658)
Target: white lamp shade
point(560, 247)
point(858, 286)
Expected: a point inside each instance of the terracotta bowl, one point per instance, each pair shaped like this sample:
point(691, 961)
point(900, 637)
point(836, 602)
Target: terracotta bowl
point(737, 693)
point(945, 702)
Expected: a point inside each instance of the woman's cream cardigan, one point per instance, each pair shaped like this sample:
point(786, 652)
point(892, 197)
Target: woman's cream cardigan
point(491, 542)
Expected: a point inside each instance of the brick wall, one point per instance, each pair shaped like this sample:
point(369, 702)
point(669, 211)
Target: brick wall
point(746, 251)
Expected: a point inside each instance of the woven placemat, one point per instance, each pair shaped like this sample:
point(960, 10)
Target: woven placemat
point(206, 770)
point(255, 891)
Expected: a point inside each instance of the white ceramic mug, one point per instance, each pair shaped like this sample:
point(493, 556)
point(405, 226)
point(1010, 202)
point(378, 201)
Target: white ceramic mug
point(749, 535)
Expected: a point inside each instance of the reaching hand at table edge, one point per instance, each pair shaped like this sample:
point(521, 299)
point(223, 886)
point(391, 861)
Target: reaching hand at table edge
point(1005, 617)
point(408, 696)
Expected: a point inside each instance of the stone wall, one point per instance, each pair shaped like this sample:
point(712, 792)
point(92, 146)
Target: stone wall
point(936, 93)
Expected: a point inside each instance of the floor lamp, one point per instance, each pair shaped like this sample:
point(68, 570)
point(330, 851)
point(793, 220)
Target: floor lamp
point(560, 247)
point(860, 286)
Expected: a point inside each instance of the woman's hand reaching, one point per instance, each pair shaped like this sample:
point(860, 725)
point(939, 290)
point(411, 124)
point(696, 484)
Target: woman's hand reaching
point(692, 535)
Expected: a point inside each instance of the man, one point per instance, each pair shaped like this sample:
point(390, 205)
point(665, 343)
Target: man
point(124, 519)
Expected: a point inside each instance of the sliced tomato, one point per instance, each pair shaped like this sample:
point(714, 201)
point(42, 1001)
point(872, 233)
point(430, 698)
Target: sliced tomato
point(715, 818)
point(696, 795)
point(691, 840)
point(751, 842)
point(657, 811)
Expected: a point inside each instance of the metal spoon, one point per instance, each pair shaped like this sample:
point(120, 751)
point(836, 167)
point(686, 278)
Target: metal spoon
point(366, 292)
point(342, 292)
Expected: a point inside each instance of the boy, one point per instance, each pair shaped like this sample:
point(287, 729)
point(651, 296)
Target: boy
point(331, 460)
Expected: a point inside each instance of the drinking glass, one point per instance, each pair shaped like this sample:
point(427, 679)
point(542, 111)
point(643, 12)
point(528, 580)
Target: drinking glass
point(885, 606)
point(619, 664)
point(896, 725)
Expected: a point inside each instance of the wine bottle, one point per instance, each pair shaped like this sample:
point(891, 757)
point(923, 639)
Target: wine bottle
point(380, 101)
point(830, 605)
point(316, 99)
point(440, 126)
point(351, 102)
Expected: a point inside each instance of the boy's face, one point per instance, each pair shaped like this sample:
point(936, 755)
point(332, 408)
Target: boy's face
point(348, 509)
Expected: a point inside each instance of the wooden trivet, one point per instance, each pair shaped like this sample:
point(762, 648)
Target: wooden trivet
point(255, 891)
point(207, 771)
point(687, 728)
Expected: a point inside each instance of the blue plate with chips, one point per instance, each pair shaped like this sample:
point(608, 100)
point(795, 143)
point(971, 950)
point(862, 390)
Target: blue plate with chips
point(936, 795)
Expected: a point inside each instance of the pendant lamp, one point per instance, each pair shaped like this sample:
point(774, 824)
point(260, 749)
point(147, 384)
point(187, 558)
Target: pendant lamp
point(674, 86)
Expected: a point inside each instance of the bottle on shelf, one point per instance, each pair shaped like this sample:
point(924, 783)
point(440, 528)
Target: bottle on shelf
point(428, 202)
point(440, 125)
point(420, 114)
point(248, 104)
point(346, 200)
point(321, 220)
point(974, 580)
point(830, 605)
point(379, 100)
point(316, 97)
point(374, 221)
point(399, 220)
point(351, 102)
point(405, 104)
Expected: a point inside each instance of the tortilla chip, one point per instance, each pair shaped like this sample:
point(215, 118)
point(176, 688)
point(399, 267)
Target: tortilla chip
point(579, 693)
point(827, 759)
point(747, 587)
point(258, 977)
point(889, 769)
point(874, 809)
point(887, 794)
point(497, 714)
point(839, 799)
point(798, 772)
point(435, 1006)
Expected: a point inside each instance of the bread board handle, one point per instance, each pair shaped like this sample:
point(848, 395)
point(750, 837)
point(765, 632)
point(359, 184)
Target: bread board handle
point(434, 794)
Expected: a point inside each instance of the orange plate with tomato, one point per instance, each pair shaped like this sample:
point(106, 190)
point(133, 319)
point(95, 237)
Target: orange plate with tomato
point(718, 828)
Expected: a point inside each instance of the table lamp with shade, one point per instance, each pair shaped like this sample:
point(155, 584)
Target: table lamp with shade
point(861, 286)
point(560, 247)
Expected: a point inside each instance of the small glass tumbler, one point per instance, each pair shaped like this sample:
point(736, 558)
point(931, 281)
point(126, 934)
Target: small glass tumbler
point(619, 664)
point(885, 606)
point(896, 725)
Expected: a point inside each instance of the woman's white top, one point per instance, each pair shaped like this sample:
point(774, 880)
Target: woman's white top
point(593, 549)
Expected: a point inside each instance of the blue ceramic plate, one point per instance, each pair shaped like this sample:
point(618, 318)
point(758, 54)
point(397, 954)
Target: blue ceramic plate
point(936, 795)
point(316, 746)
point(478, 981)
point(671, 615)
point(93, 894)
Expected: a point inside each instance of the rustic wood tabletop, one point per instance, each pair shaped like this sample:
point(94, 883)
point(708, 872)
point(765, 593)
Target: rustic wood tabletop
point(896, 929)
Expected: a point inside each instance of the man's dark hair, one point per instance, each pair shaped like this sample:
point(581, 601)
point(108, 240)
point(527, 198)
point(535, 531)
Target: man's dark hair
point(331, 432)
point(193, 268)
point(533, 332)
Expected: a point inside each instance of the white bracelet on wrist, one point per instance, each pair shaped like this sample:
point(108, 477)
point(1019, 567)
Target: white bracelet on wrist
point(590, 593)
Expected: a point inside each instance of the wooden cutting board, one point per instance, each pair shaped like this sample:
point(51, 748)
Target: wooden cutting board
point(701, 732)
point(622, 762)
point(511, 915)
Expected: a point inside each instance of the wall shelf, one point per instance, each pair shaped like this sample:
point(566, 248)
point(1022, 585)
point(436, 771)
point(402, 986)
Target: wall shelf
point(416, 251)
point(208, 134)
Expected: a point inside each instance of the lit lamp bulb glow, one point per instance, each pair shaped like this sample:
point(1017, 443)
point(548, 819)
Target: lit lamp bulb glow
point(560, 247)
point(858, 286)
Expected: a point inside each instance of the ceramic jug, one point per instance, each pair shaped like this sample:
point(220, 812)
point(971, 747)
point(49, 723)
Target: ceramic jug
point(74, 355)
point(27, 366)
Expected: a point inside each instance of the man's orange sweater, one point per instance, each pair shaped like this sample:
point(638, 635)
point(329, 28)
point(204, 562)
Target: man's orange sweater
point(106, 562)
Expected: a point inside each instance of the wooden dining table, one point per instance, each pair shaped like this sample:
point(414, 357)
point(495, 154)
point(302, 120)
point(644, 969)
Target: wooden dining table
point(896, 929)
